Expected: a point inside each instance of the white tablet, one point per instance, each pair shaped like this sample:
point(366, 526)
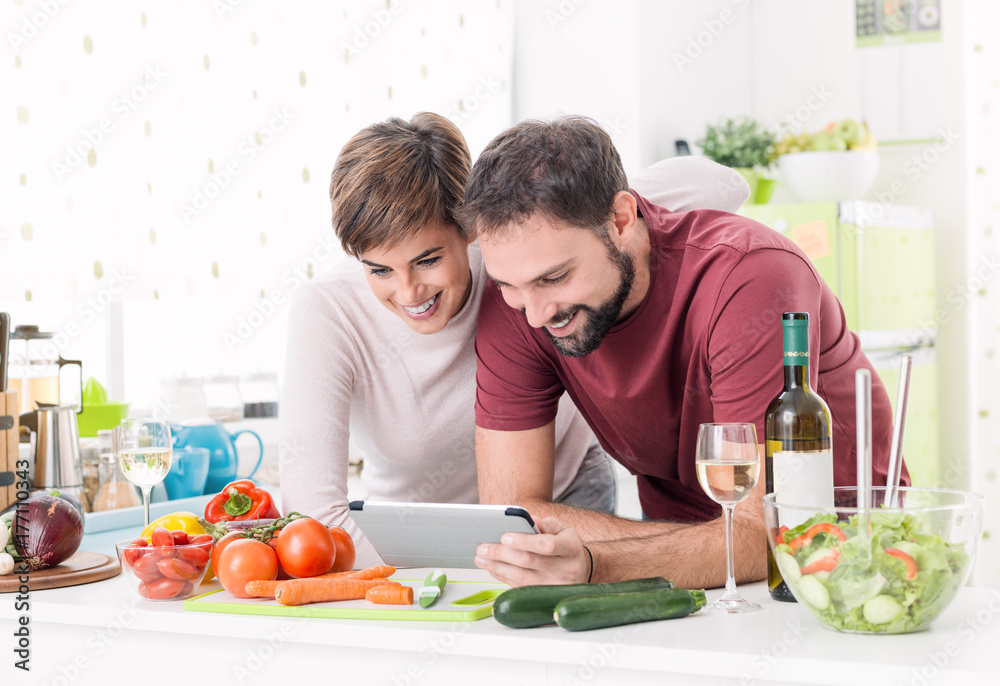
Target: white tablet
point(435, 534)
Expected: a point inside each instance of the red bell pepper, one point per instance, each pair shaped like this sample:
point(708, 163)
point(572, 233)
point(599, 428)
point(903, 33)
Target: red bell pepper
point(822, 527)
point(827, 563)
point(911, 564)
point(241, 500)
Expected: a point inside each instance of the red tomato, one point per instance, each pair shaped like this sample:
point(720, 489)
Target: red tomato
point(161, 536)
point(177, 568)
point(201, 538)
point(344, 560)
point(221, 544)
point(163, 589)
point(180, 537)
point(305, 548)
point(146, 568)
point(243, 560)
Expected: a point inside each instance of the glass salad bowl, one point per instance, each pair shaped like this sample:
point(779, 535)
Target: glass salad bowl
point(897, 578)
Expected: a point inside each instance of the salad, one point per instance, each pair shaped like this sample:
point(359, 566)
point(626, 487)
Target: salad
point(910, 577)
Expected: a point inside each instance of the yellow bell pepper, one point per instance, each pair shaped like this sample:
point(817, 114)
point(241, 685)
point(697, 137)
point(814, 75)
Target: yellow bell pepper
point(175, 521)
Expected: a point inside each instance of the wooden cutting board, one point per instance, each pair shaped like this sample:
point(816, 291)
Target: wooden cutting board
point(81, 568)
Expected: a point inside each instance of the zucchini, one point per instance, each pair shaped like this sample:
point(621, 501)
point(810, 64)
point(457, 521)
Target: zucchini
point(582, 613)
point(531, 606)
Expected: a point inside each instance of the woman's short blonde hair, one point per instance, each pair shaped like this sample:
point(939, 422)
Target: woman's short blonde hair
point(394, 178)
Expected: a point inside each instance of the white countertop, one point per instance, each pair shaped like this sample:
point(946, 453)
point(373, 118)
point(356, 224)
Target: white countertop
point(78, 633)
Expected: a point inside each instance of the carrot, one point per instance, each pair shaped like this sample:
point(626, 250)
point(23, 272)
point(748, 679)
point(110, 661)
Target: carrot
point(377, 572)
point(317, 590)
point(262, 589)
point(390, 595)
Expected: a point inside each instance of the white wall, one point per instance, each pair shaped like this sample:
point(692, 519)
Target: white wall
point(575, 57)
point(99, 158)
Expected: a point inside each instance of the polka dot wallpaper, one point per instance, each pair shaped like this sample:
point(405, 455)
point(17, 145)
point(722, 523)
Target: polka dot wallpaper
point(984, 275)
point(187, 151)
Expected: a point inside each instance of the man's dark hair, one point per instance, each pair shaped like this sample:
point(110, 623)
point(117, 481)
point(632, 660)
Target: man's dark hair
point(567, 168)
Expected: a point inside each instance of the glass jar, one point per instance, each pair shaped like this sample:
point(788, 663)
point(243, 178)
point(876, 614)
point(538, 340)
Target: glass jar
point(115, 491)
point(35, 369)
point(222, 396)
point(181, 399)
point(260, 394)
point(90, 467)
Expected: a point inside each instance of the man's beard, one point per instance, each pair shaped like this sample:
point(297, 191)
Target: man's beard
point(599, 320)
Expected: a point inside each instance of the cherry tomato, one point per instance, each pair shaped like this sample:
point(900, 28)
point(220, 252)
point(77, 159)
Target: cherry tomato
point(177, 568)
point(146, 568)
point(243, 560)
point(305, 548)
point(194, 555)
point(344, 560)
point(201, 538)
point(133, 552)
point(161, 536)
point(163, 589)
point(180, 537)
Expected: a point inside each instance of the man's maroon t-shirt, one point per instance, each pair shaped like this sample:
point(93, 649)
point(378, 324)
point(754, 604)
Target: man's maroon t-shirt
point(705, 345)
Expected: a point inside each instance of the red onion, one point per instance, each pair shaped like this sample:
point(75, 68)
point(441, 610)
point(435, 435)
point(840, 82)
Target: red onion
point(47, 531)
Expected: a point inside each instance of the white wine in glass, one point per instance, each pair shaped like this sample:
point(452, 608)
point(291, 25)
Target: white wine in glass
point(728, 466)
point(145, 450)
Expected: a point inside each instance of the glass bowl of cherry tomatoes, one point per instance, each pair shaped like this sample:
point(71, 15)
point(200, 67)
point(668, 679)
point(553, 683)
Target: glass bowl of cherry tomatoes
point(169, 566)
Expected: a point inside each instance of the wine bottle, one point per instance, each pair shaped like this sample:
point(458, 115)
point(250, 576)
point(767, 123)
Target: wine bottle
point(798, 449)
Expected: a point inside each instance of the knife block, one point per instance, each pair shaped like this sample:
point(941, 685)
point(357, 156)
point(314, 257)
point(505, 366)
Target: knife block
point(9, 413)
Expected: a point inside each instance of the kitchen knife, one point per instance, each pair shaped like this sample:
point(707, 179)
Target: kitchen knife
point(4, 348)
point(433, 586)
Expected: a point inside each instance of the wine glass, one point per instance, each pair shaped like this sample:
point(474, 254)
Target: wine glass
point(728, 467)
point(145, 448)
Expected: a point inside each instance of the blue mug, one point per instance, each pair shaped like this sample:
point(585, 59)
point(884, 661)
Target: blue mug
point(221, 446)
point(188, 473)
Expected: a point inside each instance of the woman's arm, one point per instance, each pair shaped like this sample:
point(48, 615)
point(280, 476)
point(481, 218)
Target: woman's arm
point(315, 417)
point(691, 183)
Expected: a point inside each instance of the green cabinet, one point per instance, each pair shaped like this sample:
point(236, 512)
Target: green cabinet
point(879, 261)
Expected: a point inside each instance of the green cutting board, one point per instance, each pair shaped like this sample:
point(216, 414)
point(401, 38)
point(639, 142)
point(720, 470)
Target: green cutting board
point(462, 601)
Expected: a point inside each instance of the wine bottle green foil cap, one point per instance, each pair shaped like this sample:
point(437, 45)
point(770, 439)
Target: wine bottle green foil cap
point(795, 326)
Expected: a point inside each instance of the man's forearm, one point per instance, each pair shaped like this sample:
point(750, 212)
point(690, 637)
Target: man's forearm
point(595, 526)
point(692, 555)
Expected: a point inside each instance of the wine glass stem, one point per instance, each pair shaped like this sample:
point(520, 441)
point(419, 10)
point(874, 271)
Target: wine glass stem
point(727, 511)
point(145, 504)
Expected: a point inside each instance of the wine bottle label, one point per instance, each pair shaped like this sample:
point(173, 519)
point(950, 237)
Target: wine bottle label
point(803, 470)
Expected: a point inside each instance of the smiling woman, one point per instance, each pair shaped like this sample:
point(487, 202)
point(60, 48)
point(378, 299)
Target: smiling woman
point(400, 378)
point(425, 279)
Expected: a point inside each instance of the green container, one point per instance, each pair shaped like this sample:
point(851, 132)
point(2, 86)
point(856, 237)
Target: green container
point(761, 187)
point(98, 413)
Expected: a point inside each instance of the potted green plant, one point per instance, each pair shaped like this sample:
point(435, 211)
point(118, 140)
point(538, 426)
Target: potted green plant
point(746, 146)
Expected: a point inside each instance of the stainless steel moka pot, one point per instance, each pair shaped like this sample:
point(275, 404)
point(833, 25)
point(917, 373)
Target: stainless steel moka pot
point(57, 450)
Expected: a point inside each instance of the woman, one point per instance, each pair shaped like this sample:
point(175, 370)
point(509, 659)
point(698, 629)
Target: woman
point(387, 354)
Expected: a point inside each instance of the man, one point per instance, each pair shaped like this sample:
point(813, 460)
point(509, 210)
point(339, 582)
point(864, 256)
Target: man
point(653, 323)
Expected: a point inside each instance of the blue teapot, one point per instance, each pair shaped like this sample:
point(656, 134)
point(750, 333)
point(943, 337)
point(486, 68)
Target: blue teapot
point(221, 446)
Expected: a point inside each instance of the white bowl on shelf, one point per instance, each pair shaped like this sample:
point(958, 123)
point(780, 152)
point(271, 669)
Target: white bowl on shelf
point(817, 176)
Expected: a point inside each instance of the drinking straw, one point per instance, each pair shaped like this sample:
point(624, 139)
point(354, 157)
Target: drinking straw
point(898, 428)
point(863, 409)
